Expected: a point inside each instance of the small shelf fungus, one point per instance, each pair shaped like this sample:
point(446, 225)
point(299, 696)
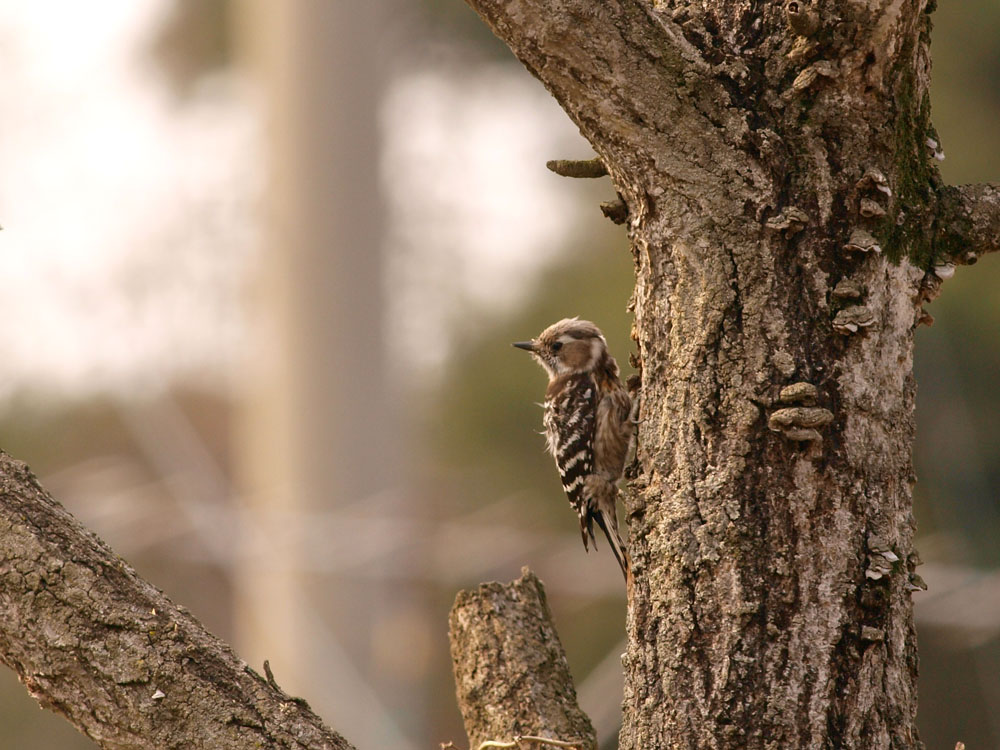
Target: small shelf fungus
point(935, 148)
point(913, 580)
point(810, 75)
point(862, 241)
point(853, 319)
point(873, 187)
point(798, 393)
point(800, 422)
point(801, 17)
point(847, 289)
point(944, 271)
point(791, 221)
point(871, 209)
point(875, 635)
point(873, 179)
point(880, 558)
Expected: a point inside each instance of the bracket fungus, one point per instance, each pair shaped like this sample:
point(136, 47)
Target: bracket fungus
point(871, 209)
point(800, 422)
point(852, 319)
point(798, 393)
point(862, 241)
point(935, 148)
point(944, 271)
point(880, 558)
point(847, 289)
point(791, 221)
point(874, 179)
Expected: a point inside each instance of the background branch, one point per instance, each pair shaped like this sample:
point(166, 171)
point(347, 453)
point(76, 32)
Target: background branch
point(511, 673)
point(92, 640)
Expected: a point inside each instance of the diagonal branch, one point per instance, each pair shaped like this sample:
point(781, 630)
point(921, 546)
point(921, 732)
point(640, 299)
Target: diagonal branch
point(510, 669)
point(968, 222)
point(92, 640)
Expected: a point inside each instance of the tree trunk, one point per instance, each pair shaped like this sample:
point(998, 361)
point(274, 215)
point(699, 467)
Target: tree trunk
point(786, 219)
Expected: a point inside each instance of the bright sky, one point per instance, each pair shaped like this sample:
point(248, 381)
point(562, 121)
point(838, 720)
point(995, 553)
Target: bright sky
point(122, 227)
point(130, 219)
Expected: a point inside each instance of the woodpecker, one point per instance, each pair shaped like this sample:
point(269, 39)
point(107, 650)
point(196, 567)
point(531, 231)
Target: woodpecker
point(588, 424)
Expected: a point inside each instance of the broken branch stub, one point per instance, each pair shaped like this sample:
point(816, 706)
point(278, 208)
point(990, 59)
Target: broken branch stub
point(511, 674)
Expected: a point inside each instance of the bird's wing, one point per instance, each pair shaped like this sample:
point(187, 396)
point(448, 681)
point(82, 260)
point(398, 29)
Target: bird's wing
point(569, 426)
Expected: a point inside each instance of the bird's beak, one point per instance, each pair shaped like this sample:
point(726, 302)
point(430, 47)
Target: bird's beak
point(528, 346)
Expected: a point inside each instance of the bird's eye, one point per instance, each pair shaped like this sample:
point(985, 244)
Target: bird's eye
point(556, 346)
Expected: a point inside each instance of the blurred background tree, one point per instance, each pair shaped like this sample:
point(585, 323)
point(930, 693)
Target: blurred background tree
point(168, 343)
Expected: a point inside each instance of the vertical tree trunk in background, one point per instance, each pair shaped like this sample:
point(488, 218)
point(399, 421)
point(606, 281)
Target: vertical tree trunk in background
point(777, 164)
point(321, 434)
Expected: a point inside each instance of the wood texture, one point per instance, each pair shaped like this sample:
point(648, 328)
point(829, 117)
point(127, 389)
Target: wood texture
point(510, 668)
point(93, 641)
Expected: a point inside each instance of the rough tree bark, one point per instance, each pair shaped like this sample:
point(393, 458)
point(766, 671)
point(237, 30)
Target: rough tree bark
point(91, 640)
point(787, 222)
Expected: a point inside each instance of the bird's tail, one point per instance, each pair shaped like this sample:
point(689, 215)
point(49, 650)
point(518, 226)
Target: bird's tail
point(602, 497)
point(607, 519)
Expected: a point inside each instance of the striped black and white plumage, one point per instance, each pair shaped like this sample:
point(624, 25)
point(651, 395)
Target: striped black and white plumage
point(588, 423)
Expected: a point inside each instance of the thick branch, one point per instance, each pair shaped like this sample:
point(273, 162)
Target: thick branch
point(510, 668)
point(92, 640)
point(968, 222)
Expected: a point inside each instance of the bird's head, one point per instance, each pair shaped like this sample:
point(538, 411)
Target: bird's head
point(569, 346)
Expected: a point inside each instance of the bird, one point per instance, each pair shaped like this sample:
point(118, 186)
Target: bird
point(588, 424)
